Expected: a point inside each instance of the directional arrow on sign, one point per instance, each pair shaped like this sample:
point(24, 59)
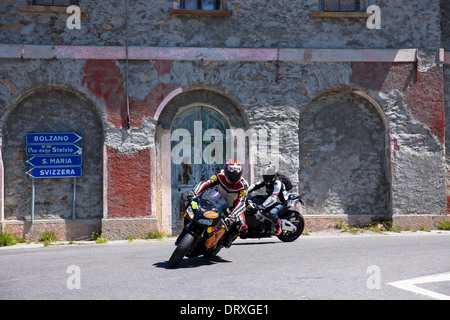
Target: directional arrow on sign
point(57, 172)
point(52, 138)
point(46, 161)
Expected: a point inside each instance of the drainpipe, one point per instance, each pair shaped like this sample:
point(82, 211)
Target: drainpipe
point(126, 64)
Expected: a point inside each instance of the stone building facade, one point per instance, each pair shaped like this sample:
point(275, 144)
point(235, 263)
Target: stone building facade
point(359, 113)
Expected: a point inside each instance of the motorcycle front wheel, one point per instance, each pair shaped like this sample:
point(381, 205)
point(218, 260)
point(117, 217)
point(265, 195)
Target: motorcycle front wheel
point(296, 219)
point(181, 250)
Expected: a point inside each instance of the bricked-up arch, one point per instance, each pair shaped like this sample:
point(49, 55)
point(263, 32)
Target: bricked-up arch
point(52, 109)
point(344, 166)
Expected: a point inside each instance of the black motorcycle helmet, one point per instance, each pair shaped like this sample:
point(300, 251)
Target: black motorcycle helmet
point(233, 171)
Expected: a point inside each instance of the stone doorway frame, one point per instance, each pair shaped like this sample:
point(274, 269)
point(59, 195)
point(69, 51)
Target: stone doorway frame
point(177, 102)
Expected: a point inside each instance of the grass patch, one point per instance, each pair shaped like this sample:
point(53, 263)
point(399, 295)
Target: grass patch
point(375, 229)
point(47, 237)
point(344, 227)
point(444, 225)
point(101, 239)
point(98, 238)
point(381, 226)
point(377, 225)
point(7, 239)
point(155, 235)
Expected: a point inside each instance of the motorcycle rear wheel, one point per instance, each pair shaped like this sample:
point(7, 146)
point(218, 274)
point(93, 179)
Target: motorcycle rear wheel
point(297, 219)
point(181, 250)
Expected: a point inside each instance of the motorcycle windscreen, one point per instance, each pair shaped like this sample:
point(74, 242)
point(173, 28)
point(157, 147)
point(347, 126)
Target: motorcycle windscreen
point(212, 200)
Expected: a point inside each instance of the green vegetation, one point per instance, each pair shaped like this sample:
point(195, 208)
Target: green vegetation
point(378, 225)
point(98, 238)
point(444, 225)
point(101, 239)
point(47, 237)
point(155, 235)
point(7, 239)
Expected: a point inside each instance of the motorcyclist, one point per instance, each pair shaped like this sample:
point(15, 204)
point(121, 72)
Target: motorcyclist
point(276, 195)
point(233, 188)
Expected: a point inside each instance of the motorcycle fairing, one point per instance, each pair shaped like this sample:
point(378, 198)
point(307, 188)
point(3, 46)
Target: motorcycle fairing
point(213, 236)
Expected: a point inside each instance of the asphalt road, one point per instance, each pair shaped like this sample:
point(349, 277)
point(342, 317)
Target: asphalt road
point(328, 265)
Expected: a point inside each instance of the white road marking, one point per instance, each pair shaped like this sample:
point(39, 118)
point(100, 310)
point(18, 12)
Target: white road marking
point(410, 285)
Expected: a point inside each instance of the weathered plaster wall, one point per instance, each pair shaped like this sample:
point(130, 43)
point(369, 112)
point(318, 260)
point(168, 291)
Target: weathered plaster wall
point(398, 107)
point(412, 99)
point(254, 24)
point(408, 173)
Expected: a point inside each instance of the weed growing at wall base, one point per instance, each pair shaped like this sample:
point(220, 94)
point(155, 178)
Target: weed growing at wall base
point(7, 239)
point(444, 225)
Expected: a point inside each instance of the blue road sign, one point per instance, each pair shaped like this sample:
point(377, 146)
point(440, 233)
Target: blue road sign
point(52, 161)
point(52, 149)
point(58, 172)
point(54, 155)
point(53, 138)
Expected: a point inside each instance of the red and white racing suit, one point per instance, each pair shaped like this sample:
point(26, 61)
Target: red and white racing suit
point(234, 194)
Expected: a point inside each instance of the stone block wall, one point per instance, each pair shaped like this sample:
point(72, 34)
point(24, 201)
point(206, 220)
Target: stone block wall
point(362, 132)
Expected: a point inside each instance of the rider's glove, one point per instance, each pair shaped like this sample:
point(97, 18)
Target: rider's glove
point(190, 195)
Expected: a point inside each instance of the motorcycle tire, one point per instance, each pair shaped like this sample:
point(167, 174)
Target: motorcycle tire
point(181, 250)
point(297, 219)
point(211, 253)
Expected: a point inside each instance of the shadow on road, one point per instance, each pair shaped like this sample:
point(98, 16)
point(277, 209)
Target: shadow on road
point(251, 243)
point(192, 262)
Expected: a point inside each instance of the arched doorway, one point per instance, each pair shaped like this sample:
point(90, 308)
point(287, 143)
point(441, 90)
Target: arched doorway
point(214, 111)
point(198, 151)
point(344, 147)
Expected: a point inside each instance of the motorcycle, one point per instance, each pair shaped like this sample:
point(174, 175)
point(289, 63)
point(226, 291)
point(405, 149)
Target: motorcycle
point(261, 226)
point(205, 226)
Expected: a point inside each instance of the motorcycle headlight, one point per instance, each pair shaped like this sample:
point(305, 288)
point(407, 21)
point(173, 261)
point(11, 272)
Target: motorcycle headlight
point(190, 212)
point(207, 222)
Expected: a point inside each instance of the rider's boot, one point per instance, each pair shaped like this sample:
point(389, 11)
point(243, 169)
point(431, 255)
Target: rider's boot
point(277, 231)
point(242, 227)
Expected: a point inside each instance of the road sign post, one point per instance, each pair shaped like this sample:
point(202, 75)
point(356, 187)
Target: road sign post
point(54, 155)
